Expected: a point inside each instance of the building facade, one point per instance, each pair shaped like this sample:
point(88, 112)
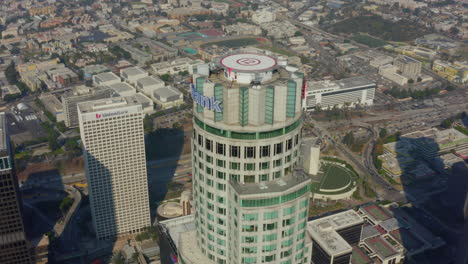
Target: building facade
point(14, 247)
point(80, 94)
point(344, 92)
point(114, 153)
point(251, 206)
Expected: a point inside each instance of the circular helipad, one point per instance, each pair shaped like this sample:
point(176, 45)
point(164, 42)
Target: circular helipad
point(246, 62)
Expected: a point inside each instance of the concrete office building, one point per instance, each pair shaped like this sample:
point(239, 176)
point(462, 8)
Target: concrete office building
point(105, 78)
point(310, 150)
point(14, 248)
point(79, 94)
point(333, 237)
point(132, 74)
point(350, 91)
point(167, 97)
point(250, 204)
point(408, 66)
point(114, 153)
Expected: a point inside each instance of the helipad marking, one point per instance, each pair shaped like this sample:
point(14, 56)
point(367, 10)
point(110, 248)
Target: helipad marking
point(248, 61)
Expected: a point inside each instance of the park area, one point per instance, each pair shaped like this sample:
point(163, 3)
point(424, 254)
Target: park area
point(236, 43)
point(333, 179)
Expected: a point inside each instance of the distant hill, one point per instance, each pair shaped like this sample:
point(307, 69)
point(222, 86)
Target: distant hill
point(402, 30)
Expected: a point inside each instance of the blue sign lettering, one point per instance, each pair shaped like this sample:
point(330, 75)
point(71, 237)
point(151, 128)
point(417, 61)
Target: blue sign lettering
point(207, 102)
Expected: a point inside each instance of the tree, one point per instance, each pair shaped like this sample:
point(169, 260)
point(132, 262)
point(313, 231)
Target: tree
point(298, 34)
point(166, 77)
point(383, 132)
point(454, 30)
point(66, 204)
point(348, 139)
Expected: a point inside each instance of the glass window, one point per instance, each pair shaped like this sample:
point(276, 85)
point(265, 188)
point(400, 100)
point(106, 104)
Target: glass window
point(265, 151)
point(277, 163)
point(221, 163)
point(209, 144)
point(278, 148)
point(264, 177)
point(234, 151)
point(249, 166)
point(249, 152)
point(249, 178)
point(221, 175)
point(250, 217)
point(220, 148)
point(200, 140)
point(270, 215)
point(268, 227)
point(289, 144)
point(270, 237)
point(264, 165)
point(234, 165)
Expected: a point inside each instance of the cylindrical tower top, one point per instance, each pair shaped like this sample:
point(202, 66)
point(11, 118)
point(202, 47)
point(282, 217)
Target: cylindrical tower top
point(247, 92)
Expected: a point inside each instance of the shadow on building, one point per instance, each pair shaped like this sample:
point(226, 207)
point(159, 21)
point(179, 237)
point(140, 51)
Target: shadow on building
point(431, 227)
point(164, 149)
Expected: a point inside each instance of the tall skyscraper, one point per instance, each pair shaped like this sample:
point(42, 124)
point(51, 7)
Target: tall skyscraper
point(114, 152)
point(251, 205)
point(14, 248)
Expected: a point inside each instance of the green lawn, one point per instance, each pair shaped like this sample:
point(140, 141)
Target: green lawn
point(334, 177)
point(234, 43)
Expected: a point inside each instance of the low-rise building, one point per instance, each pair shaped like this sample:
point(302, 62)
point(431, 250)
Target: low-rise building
point(53, 105)
point(456, 72)
point(349, 91)
point(243, 29)
point(123, 89)
point(148, 84)
point(138, 55)
point(175, 66)
point(333, 236)
point(408, 66)
point(381, 61)
point(146, 103)
point(390, 72)
point(132, 74)
point(105, 78)
point(167, 97)
point(90, 70)
point(10, 90)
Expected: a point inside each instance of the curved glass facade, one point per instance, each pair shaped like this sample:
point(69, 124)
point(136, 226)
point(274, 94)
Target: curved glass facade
point(250, 207)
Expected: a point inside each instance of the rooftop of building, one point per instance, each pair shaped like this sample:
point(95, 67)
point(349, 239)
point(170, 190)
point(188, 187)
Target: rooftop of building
point(179, 225)
point(133, 71)
point(248, 62)
point(149, 80)
point(276, 186)
point(106, 104)
point(406, 59)
point(376, 212)
point(3, 134)
point(107, 76)
point(435, 136)
point(121, 87)
point(324, 231)
point(360, 257)
point(381, 247)
point(347, 83)
point(167, 92)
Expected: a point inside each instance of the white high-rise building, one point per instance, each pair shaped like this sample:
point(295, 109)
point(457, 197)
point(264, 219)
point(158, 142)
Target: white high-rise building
point(251, 205)
point(114, 152)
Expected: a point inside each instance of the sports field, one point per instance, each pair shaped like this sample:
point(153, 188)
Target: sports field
point(334, 177)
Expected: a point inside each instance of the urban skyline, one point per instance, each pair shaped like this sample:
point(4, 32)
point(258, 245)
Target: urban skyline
point(233, 132)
